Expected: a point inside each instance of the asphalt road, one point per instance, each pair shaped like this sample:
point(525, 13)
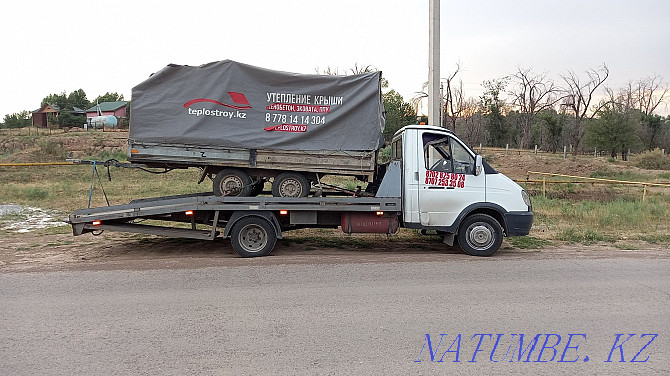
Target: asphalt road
point(353, 318)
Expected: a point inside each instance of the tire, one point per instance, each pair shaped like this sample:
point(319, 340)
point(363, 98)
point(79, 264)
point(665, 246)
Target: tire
point(480, 235)
point(232, 182)
point(291, 184)
point(257, 188)
point(253, 237)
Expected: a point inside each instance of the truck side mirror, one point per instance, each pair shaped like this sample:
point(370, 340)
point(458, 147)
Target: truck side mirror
point(478, 165)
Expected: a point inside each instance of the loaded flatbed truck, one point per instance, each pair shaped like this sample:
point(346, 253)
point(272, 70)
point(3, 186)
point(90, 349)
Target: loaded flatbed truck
point(243, 126)
point(433, 182)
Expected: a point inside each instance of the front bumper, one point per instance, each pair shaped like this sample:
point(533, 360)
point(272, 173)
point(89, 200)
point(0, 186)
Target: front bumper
point(518, 223)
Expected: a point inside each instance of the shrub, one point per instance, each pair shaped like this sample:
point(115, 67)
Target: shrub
point(652, 160)
point(50, 150)
point(36, 194)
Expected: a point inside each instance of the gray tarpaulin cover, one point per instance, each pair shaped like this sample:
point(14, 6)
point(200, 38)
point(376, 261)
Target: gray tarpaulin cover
point(231, 104)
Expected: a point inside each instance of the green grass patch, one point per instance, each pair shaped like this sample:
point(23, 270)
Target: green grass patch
point(656, 238)
point(13, 217)
point(626, 246)
point(586, 237)
point(528, 242)
point(66, 188)
point(35, 193)
point(115, 154)
point(55, 230)
point(588, 221)
point(625, 175)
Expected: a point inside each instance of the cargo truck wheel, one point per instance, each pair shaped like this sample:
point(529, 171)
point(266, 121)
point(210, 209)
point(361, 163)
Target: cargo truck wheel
point(480, 235)
point(253, 237)
point(232, 182)
point(291, 184)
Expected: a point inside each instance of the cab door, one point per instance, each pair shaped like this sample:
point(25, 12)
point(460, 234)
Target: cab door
point(447, 182)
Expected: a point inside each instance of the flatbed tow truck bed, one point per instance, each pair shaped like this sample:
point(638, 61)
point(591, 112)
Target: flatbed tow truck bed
point(207, 210)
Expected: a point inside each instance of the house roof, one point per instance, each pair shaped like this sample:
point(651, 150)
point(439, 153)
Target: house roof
point(108, 106)
point(44, 107)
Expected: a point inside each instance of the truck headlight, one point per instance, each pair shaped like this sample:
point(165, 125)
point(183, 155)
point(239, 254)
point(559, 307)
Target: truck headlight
point(526, 199)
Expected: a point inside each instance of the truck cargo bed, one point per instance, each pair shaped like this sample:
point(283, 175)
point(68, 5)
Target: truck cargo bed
point(355, 163)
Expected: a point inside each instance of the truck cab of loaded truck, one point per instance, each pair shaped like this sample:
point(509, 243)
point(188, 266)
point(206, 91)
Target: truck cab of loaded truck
point(448, 188)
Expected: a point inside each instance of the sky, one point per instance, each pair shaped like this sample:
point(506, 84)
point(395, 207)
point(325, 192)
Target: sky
point(51, 47)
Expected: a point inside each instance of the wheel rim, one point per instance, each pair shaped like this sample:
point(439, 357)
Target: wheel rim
point(290, 188)
point(231, 185)
point(253, 238)
point(480, 236)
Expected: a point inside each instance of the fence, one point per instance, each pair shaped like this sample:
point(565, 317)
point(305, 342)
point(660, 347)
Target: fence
point(566, 150)
point(36, 131)
point(586, 180)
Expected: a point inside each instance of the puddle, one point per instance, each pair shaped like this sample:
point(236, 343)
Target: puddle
point(19, 218)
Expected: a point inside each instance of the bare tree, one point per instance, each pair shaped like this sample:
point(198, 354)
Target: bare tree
point(649, 94)
point(453, 99)
point(531, 93)
point(362, 69)
point(472, 123)
point(578, 96)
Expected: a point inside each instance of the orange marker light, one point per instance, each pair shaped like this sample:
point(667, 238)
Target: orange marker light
point(283, 212)
point(380, 213)
point(96, 223)
point(133, 151)
point(189, 212)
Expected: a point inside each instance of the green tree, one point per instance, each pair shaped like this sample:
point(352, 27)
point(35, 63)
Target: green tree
point(553, 125)
point(108, 97)
point(656, 128)
point(494, 106)
point(67, 118)
point(398, 113)
point(58, 100)
point(17, 120)
point(78, 99)
point(615, 129)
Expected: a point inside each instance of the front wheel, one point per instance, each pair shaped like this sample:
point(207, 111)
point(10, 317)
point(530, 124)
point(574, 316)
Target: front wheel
point(480, 235)
point(253, 237)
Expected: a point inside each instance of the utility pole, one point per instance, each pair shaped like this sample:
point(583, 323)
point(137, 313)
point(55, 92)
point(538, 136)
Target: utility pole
point(434, 108)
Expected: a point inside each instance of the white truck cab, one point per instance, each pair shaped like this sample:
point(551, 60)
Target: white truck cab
point(449, 188)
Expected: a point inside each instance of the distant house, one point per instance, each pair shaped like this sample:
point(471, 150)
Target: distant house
point(118, 109)
point(41, 115)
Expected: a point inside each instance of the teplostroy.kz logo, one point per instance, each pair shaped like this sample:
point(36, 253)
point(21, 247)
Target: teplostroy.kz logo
point(240, 103)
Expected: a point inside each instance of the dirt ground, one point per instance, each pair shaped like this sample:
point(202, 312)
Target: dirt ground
point(27, 253)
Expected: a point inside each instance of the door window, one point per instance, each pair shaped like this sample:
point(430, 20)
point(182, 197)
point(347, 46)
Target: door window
point(436, 152)
point(444, 154)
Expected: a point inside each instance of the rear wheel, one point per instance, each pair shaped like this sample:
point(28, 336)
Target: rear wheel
point(253, 237)
point(232, 182)
point(291, 184)
point(480, 235)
